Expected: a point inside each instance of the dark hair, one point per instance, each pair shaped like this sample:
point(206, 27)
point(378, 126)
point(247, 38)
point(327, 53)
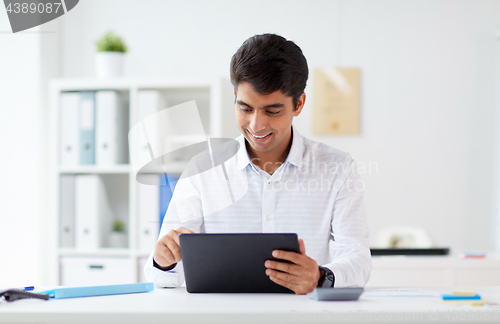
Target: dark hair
point(270, 63)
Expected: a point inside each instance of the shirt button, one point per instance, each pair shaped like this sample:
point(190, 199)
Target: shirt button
point(268, 217)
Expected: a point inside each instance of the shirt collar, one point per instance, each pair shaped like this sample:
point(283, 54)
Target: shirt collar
point(294, 156)
point(297, 150)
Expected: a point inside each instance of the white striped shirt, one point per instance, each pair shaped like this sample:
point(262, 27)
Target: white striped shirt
point(317, 193)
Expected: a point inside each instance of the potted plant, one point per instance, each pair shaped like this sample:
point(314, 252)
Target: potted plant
point(111, 50)
point(118, 236)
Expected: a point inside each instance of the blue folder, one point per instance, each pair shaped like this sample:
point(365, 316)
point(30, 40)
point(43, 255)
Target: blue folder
point(99, 290)
point(453, 297)
point(166, 194)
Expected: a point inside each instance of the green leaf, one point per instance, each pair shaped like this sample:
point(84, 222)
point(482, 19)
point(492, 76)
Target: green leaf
point(118, 226)
point(111, 42)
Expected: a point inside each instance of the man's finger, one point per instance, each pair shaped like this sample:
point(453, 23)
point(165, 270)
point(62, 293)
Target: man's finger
point(164, 257)
point(175, 250)
point(302, 247)
point(284, 276)
point(174, 236)
point(283, 267)
point(178, 231)
point(284, 283)
point(184, 230)
point(287, 255)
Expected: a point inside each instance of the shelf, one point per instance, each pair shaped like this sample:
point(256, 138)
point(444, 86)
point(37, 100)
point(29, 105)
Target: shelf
point(125, 195)
point(82, 84)
point(95, 169)
point(100, 252)
point(172, 167)
point(108, 252)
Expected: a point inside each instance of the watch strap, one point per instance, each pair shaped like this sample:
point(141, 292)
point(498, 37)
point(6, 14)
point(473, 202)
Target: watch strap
point(327, 279)
point(157, 266)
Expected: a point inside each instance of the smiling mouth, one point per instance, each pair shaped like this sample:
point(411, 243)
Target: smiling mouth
point(259, 137)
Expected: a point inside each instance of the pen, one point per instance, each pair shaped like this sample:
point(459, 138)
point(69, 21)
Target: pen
point(29, 288)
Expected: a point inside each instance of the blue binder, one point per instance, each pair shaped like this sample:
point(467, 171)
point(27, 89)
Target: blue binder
point(166, 195)
point(99, 290)
point(87, 127)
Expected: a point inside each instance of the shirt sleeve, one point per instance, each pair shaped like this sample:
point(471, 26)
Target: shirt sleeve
point(184, 211)
point(349, 242)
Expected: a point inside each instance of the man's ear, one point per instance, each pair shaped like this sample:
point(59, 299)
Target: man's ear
point(300, 104)
point(235, 95)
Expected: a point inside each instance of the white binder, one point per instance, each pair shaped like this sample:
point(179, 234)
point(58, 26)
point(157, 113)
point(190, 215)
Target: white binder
point(91, 211)
point(148, 196)
point(111, 129)
point(87, 127)
point(148, 211)
point(69, 129)
point(149, 102)
point(67, 211)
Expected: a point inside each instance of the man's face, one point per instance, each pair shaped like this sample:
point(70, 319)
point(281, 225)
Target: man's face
point(265, 120)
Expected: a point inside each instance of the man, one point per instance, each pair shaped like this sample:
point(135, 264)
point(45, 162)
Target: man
point(292, 184)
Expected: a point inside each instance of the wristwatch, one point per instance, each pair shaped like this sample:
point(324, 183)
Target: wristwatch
point(157, 266)
point(326, 279)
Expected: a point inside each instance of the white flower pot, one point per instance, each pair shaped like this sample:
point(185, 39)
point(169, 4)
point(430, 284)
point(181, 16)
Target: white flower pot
point(109, 64)
point(118, 240)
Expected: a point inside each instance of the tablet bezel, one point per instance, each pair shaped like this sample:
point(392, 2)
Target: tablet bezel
point(232, 262)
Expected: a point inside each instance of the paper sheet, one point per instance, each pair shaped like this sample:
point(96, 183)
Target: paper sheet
point(336, 108)
point(398, 292)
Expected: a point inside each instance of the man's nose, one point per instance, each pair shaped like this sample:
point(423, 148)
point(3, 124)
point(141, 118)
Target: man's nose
point(257, 122)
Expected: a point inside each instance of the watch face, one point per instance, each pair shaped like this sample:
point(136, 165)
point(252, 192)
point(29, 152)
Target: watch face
point(327, 280)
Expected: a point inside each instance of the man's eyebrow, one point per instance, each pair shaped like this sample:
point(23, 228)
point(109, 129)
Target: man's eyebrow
point(241, 103)
point(276, 105)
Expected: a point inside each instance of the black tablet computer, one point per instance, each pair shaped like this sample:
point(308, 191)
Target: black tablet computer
point(232, 263)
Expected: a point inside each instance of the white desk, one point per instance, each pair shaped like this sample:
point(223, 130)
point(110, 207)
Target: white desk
point(177, 306)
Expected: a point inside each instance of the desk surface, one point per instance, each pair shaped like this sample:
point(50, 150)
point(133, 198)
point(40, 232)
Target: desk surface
point(178, 306)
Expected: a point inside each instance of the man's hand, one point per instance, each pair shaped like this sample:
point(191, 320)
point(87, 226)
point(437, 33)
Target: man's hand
point(167, 249)
point(301, 276)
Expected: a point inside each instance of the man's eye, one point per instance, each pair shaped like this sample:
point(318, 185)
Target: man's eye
point(273, 112)
point(244, 110)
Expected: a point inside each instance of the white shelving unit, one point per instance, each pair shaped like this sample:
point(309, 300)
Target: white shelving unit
point(434, 271)
point(215, 101)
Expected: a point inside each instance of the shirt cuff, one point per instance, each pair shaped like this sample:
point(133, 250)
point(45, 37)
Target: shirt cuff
point(157, 266)
point(339, 278)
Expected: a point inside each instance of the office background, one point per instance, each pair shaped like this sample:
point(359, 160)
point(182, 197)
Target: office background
point(429, 101)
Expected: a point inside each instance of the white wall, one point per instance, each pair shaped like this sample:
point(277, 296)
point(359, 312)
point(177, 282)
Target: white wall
point(192, 39)
point(27, 60)
point(429, 119)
